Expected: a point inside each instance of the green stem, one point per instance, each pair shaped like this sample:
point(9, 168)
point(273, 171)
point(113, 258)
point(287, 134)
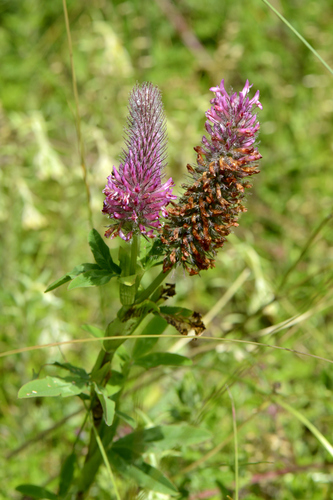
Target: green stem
point(145, 294)
point(135, 251)
point(234, 422)
point(102, 437)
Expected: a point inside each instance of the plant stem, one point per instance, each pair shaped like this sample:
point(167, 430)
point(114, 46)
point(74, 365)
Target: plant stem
point(152, 287)
point(235, 443)
point(135, 251)
point(78, 119)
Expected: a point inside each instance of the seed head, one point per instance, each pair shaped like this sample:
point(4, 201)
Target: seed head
point(208, 210)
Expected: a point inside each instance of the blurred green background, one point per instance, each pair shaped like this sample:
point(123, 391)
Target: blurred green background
point(185, 47)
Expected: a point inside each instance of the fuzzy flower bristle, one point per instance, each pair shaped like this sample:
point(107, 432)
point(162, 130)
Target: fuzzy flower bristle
point(205, 214)
point(135, 194)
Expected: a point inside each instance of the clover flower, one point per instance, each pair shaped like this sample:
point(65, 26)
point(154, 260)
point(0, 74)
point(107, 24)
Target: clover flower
point(205, 214)
point(135, 194)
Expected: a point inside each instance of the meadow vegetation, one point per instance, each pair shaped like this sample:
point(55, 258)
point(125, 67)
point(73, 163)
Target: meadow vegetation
point(272, 283)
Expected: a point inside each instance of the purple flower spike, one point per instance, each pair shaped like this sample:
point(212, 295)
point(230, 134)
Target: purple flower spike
point(134, 194)
point(232, 119)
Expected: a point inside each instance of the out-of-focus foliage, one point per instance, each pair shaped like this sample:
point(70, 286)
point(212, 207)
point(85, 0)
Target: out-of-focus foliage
point(184, 47)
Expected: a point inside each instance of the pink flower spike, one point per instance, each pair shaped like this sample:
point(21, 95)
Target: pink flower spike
point(135, 194)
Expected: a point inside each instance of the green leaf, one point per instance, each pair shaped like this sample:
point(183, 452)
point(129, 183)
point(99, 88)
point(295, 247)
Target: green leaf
point(116, 378)
point(107, 404)
point(175, 436)
point(96, 277)
point(101, 252)
point(150, 477)
point(53, 386)
point(136, 443)
point(155, 327)
point(35, 491)
point(57, 283)
point(162, 358)
point(129, 420)
point(80, 372)
point(144, 474)
point(159, 438)
point(94, 330)
point(82, 268)
point(66, 475)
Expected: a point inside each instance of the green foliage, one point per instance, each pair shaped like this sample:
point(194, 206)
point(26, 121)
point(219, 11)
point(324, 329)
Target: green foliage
point(101, 252)
point(161, 438)
point(86, 275)
point(66, 475)
point(53, 386)
point(36, 492)
point(43, 217)
point(143, 474)
point(107, 404)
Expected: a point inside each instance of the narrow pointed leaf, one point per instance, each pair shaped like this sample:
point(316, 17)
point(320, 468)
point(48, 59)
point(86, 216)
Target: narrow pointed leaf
point(72, 274)
point(161, 438)
point(67, 474)
point(101, 252)
point(138, 442)
point(129, 420)
point(96, 277)
point(175, 436)
point(32, 491)
point(144, 474)
point(79, 372)
point(152, 478)
point(94, 330)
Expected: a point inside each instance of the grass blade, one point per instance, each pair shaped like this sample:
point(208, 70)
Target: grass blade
point(284, 20)
point(328, 447)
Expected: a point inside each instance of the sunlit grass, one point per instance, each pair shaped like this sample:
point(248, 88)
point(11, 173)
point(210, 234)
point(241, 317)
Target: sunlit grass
point(271, 291)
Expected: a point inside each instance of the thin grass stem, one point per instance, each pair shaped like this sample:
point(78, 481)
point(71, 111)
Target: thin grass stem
point(284, 20)
point(305, 249)
point(208, 318)
point(202, 337)
point(78, 119)
point(234, 424)
point(198, 463)
point(105, 460)
point(328, 447)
